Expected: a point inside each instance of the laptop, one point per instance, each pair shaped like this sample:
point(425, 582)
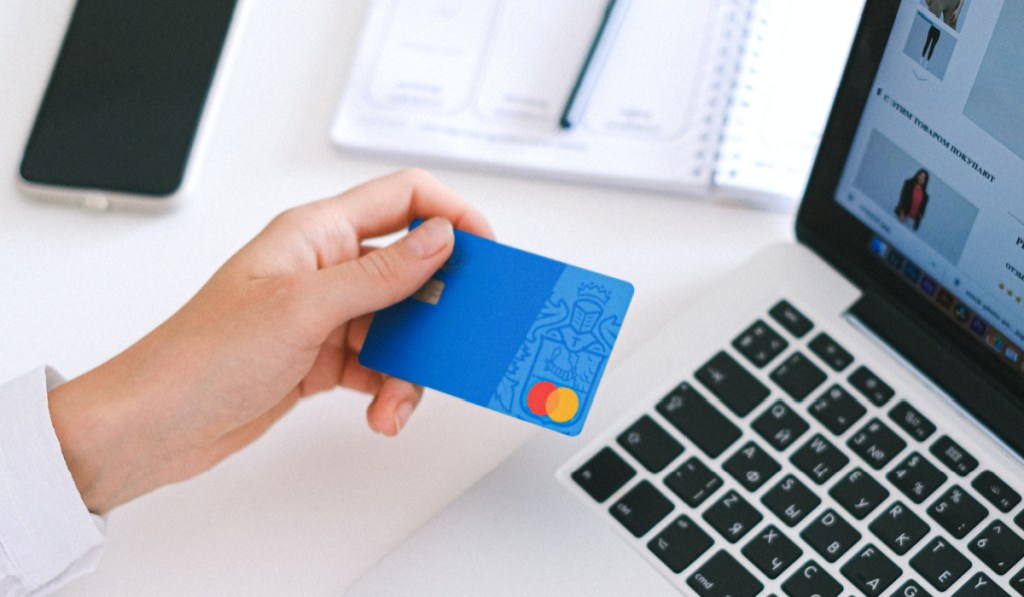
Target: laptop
point(845, 414)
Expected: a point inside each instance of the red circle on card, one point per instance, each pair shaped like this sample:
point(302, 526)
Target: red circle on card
point(537, 398)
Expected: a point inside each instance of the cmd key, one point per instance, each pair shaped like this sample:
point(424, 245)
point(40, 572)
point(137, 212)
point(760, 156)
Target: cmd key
point(723, 575)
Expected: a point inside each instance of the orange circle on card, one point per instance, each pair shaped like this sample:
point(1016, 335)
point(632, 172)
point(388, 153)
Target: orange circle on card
point(562, 405)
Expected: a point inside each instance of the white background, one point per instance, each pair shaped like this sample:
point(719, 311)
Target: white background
point(320, 498)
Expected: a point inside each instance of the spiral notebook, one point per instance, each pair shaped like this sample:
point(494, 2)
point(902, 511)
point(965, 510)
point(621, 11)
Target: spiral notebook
point(718, 100)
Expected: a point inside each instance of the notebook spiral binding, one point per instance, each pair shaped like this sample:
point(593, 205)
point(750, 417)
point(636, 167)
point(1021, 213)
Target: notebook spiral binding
point(733, 39)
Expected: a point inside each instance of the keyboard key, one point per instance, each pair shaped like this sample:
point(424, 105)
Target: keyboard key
point(798, 376)
point(693, 482)
point(732, 516)
point(1020, 519)
point(830, 352)
point(751, 466)
point(957, 512)
point(1017, 582)
point(810, 580)
point(771, 551)
point(790, 500)
point(837, 410)
point(651, 445)
point(830, 535)
point(819, 459)
point(722, 575)
point(899, 528)
point(912, 421)
point(940, 564)
point(870, 571)
point(790, 318)
point(641, 508)
point(996, 491)
point(998, 546)
point(911, 588)
point(953, 456)
point(980, 585)
point(603, 474)
point(760, 343)
point(916, 477)
point(691, 413)
point(873, 388)
point(680, 544)
point(780, 426)
point(876, 444)
point(859, 493)
point(736, 387)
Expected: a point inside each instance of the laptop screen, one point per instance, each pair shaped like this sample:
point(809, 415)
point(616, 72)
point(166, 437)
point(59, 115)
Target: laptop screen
point(917, 193)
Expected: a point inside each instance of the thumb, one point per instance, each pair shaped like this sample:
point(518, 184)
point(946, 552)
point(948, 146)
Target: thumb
point(383, 277)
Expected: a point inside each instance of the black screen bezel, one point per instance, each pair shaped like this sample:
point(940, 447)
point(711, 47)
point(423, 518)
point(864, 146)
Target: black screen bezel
point(139, 143)
point(958, 363)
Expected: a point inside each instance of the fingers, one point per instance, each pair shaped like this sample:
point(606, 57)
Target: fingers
point(389, 203)
point(393, 405)
point(238, 438)
point(379, 278)
point(329, 366)
point(330, 231)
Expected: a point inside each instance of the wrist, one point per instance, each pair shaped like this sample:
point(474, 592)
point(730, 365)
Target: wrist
point(96, 439)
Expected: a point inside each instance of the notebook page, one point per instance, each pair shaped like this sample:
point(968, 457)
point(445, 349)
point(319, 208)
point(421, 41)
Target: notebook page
point(790, 68)
point(484, 82)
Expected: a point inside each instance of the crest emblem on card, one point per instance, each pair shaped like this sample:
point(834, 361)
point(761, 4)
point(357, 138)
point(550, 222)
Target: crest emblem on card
point(556, 368)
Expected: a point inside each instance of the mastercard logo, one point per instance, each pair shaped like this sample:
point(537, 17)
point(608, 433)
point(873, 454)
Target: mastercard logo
point(545, 399)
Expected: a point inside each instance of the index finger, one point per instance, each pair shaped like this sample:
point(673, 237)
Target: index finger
point(330, 231)
point(389, 203)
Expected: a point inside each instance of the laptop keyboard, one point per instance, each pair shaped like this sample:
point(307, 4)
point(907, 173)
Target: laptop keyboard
point(784, 466)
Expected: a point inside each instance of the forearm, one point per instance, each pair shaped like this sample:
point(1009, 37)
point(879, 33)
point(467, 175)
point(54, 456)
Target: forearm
point(99, 437)
point(173, 404)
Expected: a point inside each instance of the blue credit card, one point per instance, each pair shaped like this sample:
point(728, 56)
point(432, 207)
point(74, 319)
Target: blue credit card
point(509, 330)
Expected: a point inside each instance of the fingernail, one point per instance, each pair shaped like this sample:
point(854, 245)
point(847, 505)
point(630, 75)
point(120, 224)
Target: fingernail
point(402, 415)
point(429, 237)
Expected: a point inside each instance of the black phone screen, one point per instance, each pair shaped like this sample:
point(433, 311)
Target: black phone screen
point(126, 95)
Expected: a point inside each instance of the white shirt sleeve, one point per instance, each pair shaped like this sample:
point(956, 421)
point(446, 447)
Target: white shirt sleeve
point(47, 536)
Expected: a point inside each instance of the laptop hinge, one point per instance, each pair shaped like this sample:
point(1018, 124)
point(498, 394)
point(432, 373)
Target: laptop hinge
point(861, 327)
point(951, 375)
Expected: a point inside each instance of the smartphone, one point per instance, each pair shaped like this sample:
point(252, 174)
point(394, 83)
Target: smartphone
point(122, 118)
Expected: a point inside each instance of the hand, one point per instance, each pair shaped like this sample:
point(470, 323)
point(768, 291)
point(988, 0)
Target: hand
point(284, 318)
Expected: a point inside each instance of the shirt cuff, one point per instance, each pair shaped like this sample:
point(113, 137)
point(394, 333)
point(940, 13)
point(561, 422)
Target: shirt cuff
point(47, 535)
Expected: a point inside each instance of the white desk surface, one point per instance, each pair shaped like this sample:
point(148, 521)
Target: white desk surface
point(320, 498)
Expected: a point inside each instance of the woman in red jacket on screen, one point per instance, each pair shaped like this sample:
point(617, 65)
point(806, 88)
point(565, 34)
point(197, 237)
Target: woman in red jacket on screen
point(913, 198)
